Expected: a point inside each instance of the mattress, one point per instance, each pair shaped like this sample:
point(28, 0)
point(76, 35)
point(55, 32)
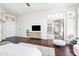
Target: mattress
point(12, 49)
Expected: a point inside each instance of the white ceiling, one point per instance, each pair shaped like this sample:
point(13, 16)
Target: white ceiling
point(18, 9)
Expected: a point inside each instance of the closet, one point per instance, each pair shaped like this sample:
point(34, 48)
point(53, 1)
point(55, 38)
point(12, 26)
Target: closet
point(10, 26)
point(2, 22)
point(7, 25)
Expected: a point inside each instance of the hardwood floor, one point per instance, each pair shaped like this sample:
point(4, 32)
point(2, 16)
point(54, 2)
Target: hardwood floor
point(64, 51)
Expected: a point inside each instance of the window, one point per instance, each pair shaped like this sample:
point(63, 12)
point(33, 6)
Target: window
point(71, 23)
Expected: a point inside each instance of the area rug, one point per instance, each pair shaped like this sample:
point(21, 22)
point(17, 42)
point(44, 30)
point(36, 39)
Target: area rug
point(46, 51)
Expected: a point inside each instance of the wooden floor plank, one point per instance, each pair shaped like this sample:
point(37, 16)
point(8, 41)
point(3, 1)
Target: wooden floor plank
point(64, 51)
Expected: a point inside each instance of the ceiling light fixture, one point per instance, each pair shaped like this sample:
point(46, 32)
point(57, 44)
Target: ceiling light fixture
point(27, 4)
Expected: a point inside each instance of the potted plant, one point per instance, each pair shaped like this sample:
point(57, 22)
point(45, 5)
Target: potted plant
point(27, 32)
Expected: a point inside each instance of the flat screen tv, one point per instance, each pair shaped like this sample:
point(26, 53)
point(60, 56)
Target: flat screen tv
point(36, 28)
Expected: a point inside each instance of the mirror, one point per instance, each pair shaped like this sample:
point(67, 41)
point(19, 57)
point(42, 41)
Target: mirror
point(55, 29)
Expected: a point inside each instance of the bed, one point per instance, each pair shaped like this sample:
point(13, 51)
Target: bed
point(12, 49)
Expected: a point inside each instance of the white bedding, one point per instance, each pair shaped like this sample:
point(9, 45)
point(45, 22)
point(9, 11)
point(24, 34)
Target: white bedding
point(11, 49)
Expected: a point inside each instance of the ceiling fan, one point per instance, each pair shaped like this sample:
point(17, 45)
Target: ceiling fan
point(27, 4)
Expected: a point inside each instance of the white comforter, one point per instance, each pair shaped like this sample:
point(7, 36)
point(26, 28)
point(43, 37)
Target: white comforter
point(18, 50)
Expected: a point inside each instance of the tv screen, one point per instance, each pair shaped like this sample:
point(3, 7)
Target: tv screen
point(36, 28)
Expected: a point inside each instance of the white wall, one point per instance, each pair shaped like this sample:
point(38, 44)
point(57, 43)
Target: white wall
point(25, 22)
point(40, 18)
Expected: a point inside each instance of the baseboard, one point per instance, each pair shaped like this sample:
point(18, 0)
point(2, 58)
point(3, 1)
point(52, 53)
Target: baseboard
point(26, 37)
point(34, 38)
point(10, 36)
point(20, 37)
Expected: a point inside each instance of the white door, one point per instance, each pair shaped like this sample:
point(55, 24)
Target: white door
point(3, 30)
point(10, 28)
